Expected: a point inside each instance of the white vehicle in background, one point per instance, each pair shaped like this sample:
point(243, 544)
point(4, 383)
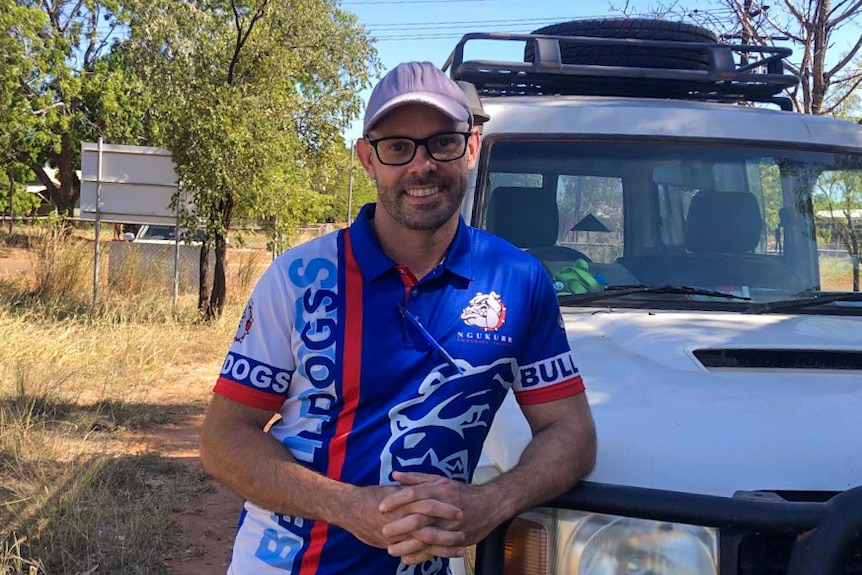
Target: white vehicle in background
point(159, 234)
point(668, 189)
point(151, 252)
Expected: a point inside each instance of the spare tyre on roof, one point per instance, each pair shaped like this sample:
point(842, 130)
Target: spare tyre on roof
point(630, 55)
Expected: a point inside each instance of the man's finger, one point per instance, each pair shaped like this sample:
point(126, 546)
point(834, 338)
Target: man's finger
point(433, 551)
point(415, 516)
point(408, 546)
point(403, 527)
point(413, 500)
point(435, 536)
point(417, 558)
point(413, 548)
point(416, 478)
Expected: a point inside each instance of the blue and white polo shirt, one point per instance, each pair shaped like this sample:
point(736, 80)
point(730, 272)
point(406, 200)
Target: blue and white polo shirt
point(362, 391)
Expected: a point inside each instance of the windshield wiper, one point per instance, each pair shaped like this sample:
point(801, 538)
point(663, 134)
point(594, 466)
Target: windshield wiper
point(798, 304)
point(614, 291)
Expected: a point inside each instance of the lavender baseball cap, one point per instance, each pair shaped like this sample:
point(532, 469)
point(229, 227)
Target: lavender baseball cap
point(417, 83)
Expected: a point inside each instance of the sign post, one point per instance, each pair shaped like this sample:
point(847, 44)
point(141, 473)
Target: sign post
point(130, 184)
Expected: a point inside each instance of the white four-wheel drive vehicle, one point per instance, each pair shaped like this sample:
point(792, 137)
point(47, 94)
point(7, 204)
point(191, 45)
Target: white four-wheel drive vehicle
point(668, 189)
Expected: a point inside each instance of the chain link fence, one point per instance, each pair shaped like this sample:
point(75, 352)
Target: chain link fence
point(249, 253)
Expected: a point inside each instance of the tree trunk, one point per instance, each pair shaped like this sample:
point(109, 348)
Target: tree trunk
point(218, 297)
point(66, 194)
point(855, 273)
point(219, 293)
point(51, 187)
point(819, 83)
point(203, 278)
point(853, 247)
point(850, 239)
point(11, 202)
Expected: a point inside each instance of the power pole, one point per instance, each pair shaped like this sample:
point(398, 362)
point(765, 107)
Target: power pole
point(350, 184)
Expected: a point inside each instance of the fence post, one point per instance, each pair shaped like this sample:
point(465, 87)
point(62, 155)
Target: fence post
point(177, 250)
point(97, 250)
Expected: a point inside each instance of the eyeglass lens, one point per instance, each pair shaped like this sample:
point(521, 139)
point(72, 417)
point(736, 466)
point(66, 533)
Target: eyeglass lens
point(399, 150)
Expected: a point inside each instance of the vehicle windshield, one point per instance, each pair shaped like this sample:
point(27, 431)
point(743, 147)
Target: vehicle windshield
point(762, 224)
point(158, 233)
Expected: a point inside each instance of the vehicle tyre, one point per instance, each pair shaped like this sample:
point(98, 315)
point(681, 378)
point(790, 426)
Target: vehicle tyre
point(637, 28)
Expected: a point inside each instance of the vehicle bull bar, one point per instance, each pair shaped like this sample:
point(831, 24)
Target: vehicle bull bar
point(830, 527)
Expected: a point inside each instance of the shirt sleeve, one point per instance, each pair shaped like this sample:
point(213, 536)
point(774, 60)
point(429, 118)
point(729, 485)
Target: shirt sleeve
point(259, 364)
point(547, 366)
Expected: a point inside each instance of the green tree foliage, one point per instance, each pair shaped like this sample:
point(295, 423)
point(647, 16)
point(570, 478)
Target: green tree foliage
point(350, 187)
point(63, 80)
point(18, 121)
point(251, 97)
point(23, 203)
point(838, 195)
point(838, 198)
point(14, 199)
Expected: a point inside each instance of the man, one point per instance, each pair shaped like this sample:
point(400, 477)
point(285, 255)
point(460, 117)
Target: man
point(386, 349)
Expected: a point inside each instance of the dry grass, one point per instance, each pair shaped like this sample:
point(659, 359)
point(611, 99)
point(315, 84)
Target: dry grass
point(77, 382)
point(836, 274)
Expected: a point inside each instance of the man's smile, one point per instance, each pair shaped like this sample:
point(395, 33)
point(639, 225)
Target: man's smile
point(422, 192)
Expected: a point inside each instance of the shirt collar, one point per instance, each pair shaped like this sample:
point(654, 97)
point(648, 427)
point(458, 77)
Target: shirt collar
point(373, 262)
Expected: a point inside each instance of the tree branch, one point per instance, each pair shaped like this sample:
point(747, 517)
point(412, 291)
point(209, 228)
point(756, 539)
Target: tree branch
point(784, 30)
point(91, 45)
point(791, 7)
point(856, 82)
point(42, 176)
point(848, 13)
point(73, 13)
point(240, 37)
point(846, 59)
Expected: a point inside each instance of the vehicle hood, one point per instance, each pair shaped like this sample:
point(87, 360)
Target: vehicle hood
point(667, 421)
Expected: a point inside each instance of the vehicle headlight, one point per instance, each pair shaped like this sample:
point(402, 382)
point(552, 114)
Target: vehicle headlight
point(554, 541)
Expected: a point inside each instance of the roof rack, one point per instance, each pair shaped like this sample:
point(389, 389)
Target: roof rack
point(735, 73)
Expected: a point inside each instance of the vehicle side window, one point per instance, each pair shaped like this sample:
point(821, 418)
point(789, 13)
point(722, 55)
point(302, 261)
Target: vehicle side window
point(159, 233)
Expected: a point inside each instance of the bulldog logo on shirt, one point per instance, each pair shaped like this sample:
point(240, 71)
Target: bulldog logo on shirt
point(442, 430)
point(245, 322)
point(485, 311)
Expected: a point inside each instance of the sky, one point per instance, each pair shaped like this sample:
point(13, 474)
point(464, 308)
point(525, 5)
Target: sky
point(429, 29)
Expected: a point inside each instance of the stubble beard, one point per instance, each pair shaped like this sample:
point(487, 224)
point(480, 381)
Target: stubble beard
point(428, 218)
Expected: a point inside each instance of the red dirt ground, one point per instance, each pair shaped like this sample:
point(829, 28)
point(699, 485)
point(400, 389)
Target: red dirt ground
point(210, 524)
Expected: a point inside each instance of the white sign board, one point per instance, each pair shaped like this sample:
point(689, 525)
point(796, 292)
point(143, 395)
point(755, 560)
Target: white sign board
point(132, 184)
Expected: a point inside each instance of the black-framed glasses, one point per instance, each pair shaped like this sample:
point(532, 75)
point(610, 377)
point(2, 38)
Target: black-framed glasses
point(400, 150)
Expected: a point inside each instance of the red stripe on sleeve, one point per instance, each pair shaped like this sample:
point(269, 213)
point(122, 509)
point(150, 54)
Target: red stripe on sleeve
point(247, 396)
point(560, 390)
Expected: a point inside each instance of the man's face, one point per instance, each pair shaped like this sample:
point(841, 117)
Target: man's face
point(424, 194)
